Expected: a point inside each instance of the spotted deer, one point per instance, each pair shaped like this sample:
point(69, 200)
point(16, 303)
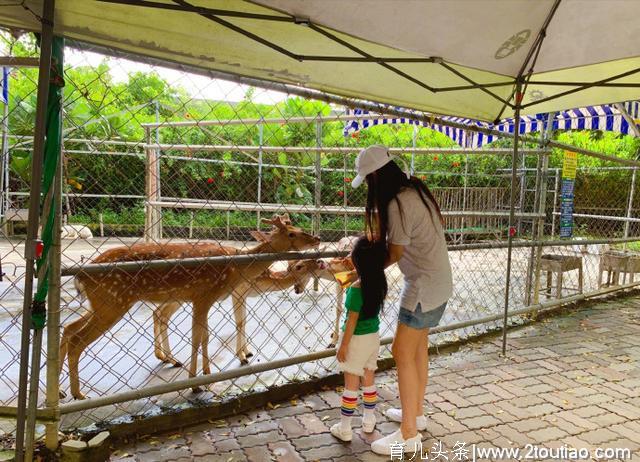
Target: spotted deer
point(111, 294)
point(297, 275)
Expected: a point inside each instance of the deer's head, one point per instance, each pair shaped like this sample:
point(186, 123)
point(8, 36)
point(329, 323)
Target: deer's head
point(303, 270)
point(284, 236)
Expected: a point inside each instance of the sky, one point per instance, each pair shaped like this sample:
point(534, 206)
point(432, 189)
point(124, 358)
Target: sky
point(199, 87)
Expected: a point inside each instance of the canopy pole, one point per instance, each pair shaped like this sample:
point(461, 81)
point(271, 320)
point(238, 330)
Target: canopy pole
point(514, 169)
point(34, 219)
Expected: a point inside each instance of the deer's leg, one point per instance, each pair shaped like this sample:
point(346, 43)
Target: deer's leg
point(157, 347)
point(339, 311)
point(161, 316)
point(69, 331)
point(198, 328)
point(240, 315)
point(105, 314)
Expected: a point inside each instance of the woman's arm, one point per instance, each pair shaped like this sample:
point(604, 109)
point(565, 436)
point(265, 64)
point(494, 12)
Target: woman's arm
point(394, 254)
point(349, 328)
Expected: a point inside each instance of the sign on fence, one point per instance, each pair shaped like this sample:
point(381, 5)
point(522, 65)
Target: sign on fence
point(566, 205)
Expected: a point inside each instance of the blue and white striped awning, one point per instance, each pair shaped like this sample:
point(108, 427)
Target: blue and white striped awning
point(604, 117)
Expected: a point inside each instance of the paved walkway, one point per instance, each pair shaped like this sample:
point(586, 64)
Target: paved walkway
point(572, 380)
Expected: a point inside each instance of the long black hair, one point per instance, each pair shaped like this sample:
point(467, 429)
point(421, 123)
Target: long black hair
point(383, 186)
point(368, 257)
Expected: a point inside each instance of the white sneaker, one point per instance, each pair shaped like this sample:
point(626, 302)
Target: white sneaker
point(341, 433)
point(395, 415)
point(396, 444)
point(369, 424)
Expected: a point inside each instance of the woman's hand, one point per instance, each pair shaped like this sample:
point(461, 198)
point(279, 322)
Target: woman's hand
point(341, 354)
point(346, 278)
point(352, 277)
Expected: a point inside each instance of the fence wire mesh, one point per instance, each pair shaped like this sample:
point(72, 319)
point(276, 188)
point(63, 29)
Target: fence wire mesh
point(152, 155)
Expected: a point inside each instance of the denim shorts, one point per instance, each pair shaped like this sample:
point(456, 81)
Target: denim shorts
point(419, 319)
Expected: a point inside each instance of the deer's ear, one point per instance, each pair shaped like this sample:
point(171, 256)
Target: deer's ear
point(260, 236)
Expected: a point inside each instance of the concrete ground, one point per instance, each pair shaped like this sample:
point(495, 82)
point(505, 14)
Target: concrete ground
point(571, 381)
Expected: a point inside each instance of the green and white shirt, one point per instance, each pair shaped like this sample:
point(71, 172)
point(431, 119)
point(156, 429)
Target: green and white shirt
point(353, 302)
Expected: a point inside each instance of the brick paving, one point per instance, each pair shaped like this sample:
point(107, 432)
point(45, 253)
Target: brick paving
point(572, 380)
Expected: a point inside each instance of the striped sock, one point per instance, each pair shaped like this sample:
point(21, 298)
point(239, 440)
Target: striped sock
point(349, 404)
point(369, 399)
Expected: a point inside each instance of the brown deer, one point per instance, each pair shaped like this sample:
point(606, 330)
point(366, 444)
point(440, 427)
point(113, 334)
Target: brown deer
point(111, 294)
point(297, 275)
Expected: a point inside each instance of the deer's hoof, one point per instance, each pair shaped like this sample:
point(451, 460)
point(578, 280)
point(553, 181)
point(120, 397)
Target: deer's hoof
point(78, 395)
point(244, 362)
point(176, 363)
point(249, 354)
point(197, 389)
point(62, 394)
point(331, 345)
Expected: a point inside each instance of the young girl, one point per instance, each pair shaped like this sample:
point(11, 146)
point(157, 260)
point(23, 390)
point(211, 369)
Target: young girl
point(359, 341)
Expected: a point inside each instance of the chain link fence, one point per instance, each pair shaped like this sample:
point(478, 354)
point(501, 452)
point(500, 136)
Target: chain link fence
point(153, 155)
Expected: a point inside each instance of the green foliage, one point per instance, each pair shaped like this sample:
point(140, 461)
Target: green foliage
point(97, 107)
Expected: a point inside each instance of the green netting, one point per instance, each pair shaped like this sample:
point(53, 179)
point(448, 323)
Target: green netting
point(51, 158)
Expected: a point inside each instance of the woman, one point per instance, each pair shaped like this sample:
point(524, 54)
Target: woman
point(404, 215)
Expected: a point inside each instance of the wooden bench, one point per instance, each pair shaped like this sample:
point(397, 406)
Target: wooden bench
point(615, 263)
point(14, 215)
point(560, 264)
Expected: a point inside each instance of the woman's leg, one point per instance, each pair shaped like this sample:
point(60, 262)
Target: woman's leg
point(405, 352)
point(422, 366)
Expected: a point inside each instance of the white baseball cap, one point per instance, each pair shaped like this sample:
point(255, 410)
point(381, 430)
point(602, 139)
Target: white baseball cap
point(371, 159)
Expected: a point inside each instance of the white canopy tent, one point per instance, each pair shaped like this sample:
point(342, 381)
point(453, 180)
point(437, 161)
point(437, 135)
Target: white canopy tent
point(459, 57)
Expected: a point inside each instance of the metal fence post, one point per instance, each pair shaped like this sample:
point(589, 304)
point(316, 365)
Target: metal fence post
point(514, 168)
point(152, 230)
point(52, 398)
point(538, 225)
point(318, 190)
point(556, 189)
point(414, 140)
point(632, 192)
point(4, 163)
point(318, 180)
point(158, 179)
point(260, 141)
point(44, 74)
